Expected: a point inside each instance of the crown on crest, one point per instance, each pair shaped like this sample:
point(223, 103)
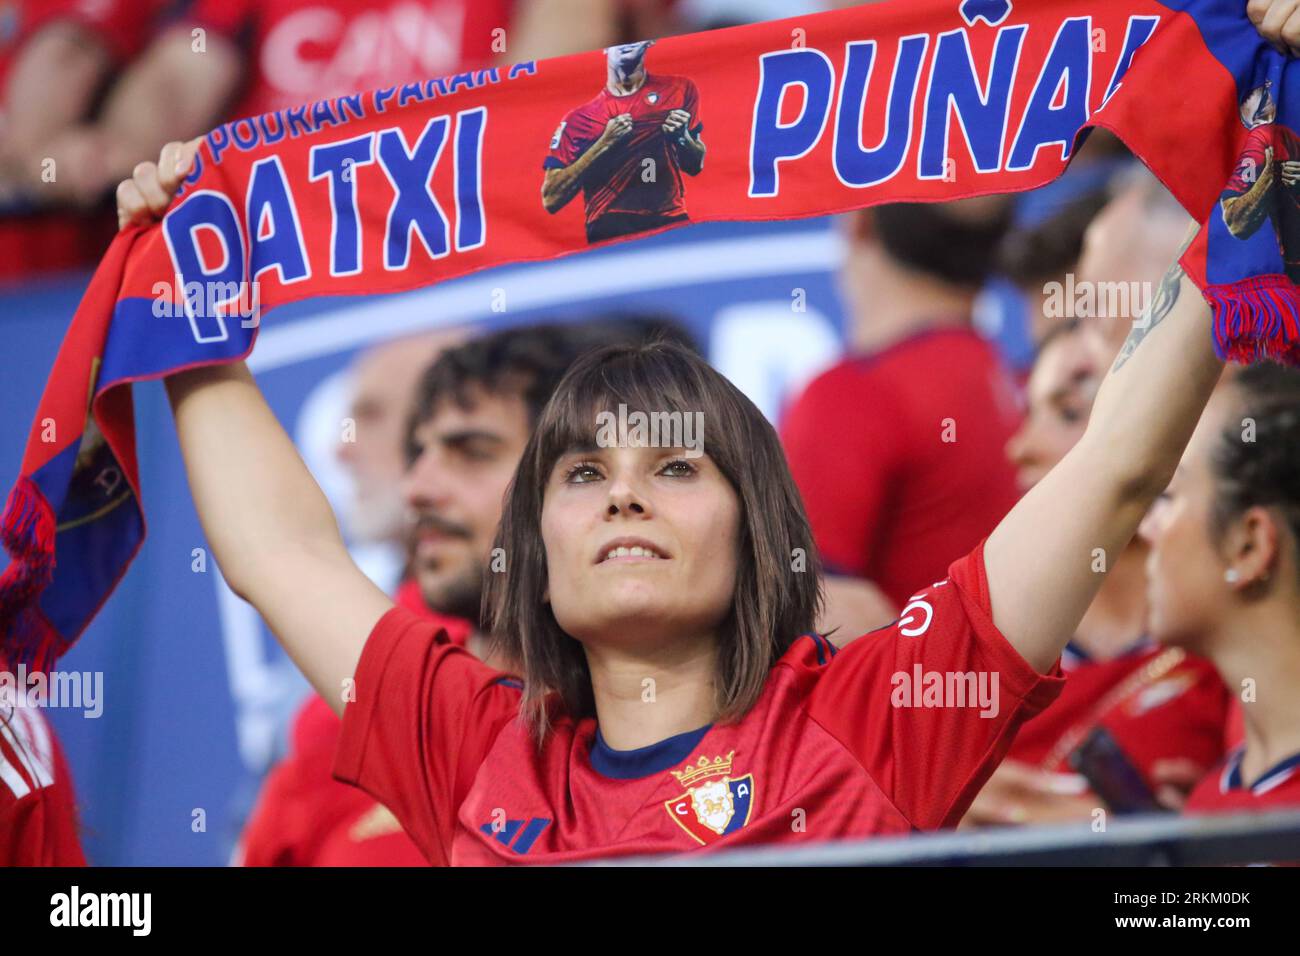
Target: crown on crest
point(704, 767)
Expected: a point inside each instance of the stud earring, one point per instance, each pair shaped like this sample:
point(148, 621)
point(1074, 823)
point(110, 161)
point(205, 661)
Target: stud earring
point(1231, 576)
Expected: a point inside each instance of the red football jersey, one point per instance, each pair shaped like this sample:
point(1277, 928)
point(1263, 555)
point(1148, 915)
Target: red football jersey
point(1158, 703)
point(839, 745)
point(38, 815)
point(900, 457)
point(1234, 730)
point(1250, 164)
point(1224, 791)
point(301, 51)
point(304, 817)
point(615, 183)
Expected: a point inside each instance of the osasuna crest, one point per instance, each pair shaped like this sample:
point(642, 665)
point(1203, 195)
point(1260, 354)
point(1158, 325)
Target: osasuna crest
point(652, 98)
point(715, 803)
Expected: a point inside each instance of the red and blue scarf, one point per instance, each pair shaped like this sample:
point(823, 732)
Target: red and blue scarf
point(388, 190)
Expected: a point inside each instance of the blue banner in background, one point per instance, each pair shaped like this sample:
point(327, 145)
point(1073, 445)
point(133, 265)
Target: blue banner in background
point(196, 693)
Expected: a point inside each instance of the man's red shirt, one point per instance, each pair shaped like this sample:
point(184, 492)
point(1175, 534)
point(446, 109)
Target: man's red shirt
point(38, 814)
point(304, 817)
point(900, 457)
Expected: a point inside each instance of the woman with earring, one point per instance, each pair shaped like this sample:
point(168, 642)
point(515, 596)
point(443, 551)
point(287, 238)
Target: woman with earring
point(1224, 577)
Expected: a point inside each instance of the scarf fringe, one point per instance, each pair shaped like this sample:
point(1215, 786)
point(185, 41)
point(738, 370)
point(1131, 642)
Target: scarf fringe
point(1256, 318)
point(27, 531)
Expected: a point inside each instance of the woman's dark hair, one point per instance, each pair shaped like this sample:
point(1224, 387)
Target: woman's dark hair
point(777, 593)
point(1256, 461)
point(527, 361)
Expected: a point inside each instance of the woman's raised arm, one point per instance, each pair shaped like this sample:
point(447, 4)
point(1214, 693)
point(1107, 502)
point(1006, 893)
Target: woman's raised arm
point(1046, 559)
point(269, 526)
point(267, 522)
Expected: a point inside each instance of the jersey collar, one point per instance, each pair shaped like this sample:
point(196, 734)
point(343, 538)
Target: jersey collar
point(1075, 655)
point(1275, 776)
point(626, 96)
point(644, 761)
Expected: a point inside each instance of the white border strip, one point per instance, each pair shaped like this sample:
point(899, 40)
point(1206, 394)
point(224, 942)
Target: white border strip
point(543, 285)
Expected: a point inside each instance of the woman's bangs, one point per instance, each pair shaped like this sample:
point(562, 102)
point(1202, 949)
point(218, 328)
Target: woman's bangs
point(615, 388)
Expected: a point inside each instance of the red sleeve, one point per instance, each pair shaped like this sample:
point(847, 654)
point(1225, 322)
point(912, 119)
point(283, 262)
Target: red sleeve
point(425, 715)
point(929, 705)
point(38, 815)
point(1290, 144)
point(571, 139)
point(842, 442)
point(292, 807)
point(1250, 164)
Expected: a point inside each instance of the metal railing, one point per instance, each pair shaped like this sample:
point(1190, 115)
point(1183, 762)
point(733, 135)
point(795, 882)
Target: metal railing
point(1148, 840)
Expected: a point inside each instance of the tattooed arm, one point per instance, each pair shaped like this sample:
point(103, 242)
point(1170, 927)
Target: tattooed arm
point(561, 185)
point(1046, 560)
point(1158, 308)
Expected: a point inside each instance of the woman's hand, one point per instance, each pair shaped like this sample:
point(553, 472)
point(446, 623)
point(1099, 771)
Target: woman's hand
point(144, 197)
point(1175, 778)
point(1018, 793)
point(1278, 22)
